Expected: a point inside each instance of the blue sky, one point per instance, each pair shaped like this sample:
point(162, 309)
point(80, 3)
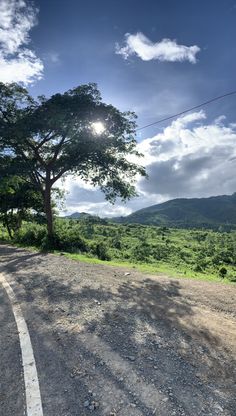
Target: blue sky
point(154, 57)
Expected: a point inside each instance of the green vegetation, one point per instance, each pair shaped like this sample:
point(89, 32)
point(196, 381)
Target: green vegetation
point(209, 213)
point(204, 254)
point(52, 137)
point(42, 140)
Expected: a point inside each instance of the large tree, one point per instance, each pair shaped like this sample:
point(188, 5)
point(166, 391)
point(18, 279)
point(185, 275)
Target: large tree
point(59, 136)
point(18, 195)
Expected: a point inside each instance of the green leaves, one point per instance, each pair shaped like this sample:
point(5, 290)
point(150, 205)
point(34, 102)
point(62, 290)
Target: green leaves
point(54, 137)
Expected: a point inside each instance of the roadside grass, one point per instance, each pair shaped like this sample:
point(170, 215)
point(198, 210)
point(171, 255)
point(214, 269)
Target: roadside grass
point(161, 268)
point(178, 253)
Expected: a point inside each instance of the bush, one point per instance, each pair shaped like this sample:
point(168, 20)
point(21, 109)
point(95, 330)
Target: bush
point(160, 252)
point(32, 234)
point(100, 250)
point(223, 272)
point(68, 239)
point(141, 251)
point(198, 268)
point(64, 239)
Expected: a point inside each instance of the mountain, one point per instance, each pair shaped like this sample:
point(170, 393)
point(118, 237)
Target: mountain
point(74, 215)
point(211, 212)
point(77, 215)
point(95, 219)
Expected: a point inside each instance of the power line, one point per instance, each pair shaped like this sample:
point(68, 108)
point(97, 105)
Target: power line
point(186, 111)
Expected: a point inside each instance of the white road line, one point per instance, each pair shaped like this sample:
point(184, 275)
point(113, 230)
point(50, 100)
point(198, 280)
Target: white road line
point(32, 391)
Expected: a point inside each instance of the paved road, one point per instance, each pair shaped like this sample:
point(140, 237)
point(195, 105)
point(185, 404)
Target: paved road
point(109, 344)
point(11, 377)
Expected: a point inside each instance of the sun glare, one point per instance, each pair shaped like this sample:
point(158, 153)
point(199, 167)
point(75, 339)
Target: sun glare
point(98, 127)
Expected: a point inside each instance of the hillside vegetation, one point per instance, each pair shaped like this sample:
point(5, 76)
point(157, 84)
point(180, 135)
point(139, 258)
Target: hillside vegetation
point(194, 253)
point(213, 212)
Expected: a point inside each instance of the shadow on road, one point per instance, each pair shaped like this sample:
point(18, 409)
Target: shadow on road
point(133, 343)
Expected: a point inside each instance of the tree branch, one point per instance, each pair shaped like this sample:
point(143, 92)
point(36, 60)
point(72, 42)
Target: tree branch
point(59, 175)
point(46, 139)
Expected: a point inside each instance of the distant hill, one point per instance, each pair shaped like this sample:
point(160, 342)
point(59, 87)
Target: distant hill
point(85, 216)
point(211, 212)
point(77, 215)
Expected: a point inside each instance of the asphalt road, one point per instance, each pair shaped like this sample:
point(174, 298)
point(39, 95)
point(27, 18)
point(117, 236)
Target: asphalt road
point(12, 400)
point(109, 344)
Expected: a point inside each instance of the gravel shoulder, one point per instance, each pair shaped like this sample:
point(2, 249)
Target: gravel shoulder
point(111, 343)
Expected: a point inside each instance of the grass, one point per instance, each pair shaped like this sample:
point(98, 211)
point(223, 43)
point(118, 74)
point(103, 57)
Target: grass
point(162, 268)
point(194, 254)
point(147, 268)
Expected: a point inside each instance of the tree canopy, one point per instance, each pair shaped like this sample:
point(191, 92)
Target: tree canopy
point(54, 137)
point(18, 195)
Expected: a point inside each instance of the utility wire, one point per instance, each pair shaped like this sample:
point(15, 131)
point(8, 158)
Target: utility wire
point(186, 111)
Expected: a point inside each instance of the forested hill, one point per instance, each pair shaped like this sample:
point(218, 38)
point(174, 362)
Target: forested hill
point(211, 212)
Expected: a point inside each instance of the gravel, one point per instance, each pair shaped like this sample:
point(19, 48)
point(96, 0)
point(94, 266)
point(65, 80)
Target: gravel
point(112, 341)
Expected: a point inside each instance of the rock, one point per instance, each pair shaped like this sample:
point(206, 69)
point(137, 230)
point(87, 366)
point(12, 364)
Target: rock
point(131, 357)
point(127, 274)
point(165, 399)
point(218, 407)
point(94, 406)
point(86, 403)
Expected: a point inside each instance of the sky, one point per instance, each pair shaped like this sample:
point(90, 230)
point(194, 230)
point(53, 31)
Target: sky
point(157, 58)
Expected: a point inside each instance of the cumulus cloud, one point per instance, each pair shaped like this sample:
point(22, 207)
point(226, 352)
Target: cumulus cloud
point(191, 159)
point(18, 63)
point(165, 50)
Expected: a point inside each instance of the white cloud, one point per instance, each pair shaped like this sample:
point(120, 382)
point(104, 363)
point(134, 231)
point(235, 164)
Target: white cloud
point(189, 158)
point(18, 63)
point(165, 50)
point(52, 57)
point(102, 209)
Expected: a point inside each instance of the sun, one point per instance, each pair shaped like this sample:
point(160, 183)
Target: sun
point(98, 127)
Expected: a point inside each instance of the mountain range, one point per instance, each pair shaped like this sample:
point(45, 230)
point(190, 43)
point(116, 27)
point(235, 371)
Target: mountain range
point(211, 212)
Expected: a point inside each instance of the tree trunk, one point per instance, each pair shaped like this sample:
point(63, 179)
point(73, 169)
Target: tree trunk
point(19, 216)
point(48, 209)
point(8, 226)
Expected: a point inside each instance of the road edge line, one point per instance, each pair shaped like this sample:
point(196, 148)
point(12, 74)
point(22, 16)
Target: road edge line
point(32, 389)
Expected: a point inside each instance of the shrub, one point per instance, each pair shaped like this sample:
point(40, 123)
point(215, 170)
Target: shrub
point(141, 251)
point(198, 268)
point(160, 252)
point(64, 239)
point(100, 250)
point(223, 272)
point(31, 234)
point(68, 240)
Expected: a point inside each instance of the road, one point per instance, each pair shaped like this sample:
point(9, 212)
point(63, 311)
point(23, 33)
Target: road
point(110, 343)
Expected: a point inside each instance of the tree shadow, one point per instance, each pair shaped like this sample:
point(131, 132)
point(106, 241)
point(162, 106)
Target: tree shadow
point(130, 342)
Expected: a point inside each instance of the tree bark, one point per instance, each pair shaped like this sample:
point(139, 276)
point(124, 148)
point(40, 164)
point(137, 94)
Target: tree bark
point(48, 208)
point(8, 227)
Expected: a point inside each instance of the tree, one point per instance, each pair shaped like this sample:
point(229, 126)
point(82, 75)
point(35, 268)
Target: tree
point(17, 195)
point(56, 136)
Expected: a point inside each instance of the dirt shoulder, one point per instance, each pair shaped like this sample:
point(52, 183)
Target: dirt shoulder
point(119, 342)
